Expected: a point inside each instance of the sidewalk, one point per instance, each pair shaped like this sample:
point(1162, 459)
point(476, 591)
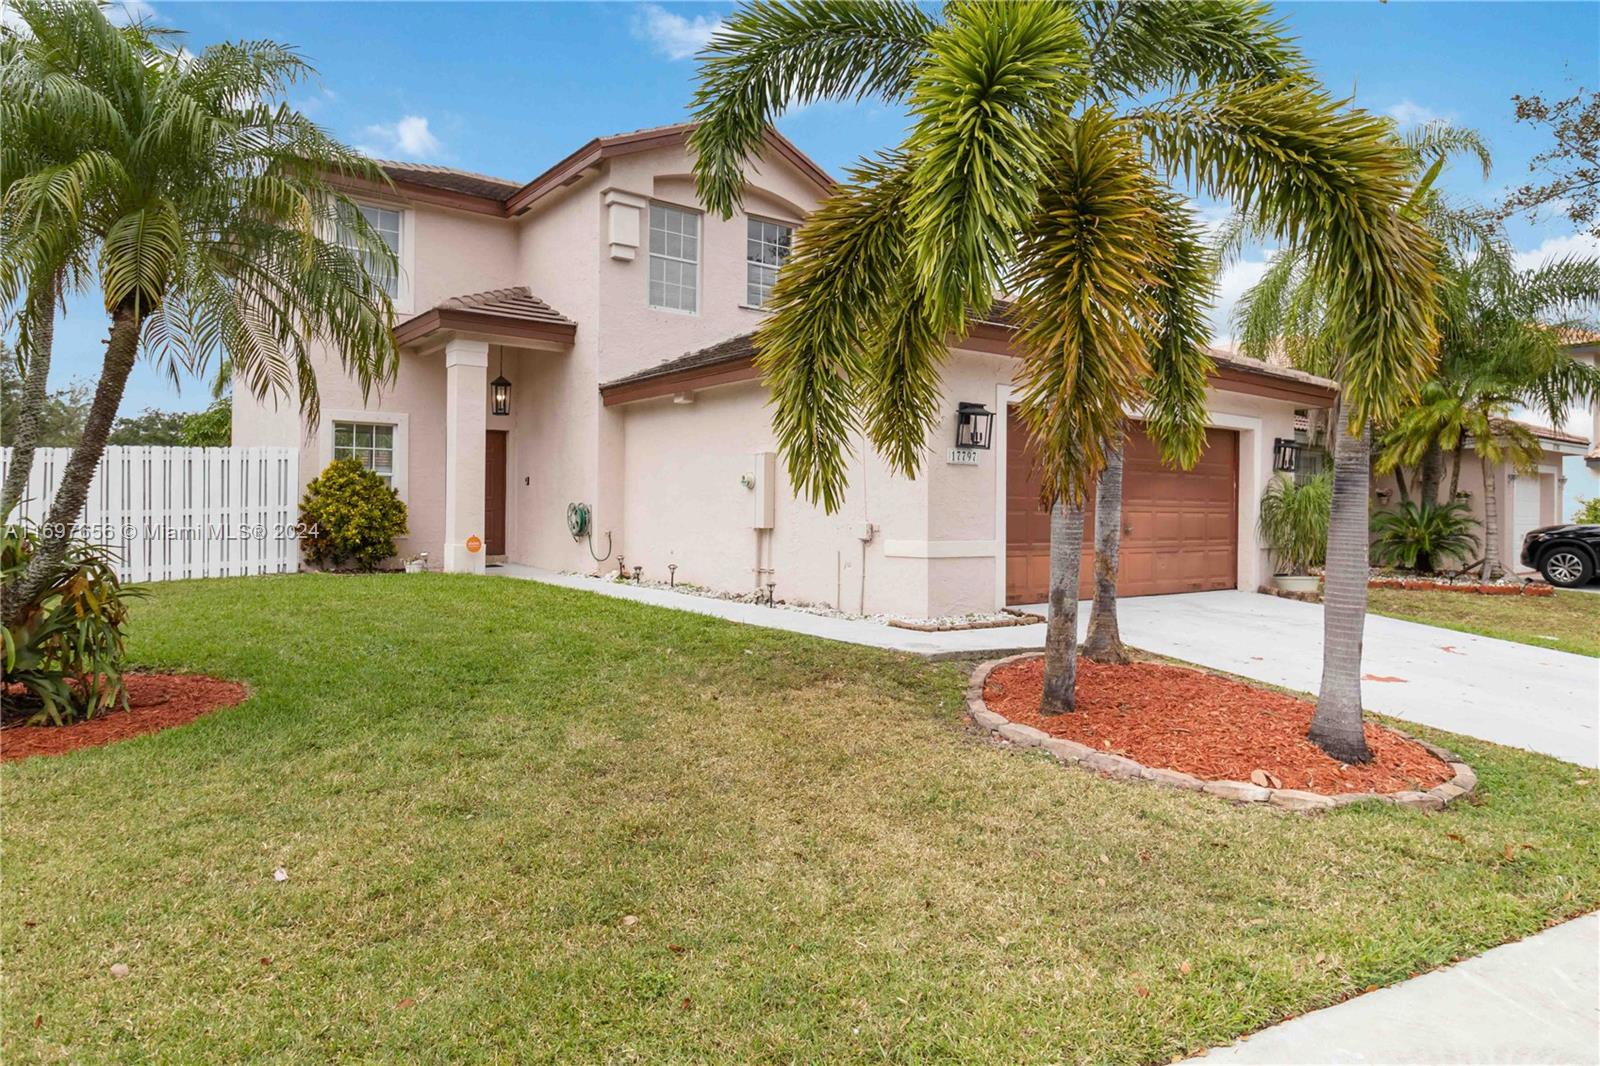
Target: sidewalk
point(1533, 1001)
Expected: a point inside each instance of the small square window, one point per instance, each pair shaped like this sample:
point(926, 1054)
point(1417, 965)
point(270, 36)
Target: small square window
point(372, 443)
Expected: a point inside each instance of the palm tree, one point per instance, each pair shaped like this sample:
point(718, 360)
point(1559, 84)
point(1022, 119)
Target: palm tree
point(207, 213)
point(1034, 164)
point(1500, 348)
point(1293, 307)
point(1103, 642)
point(1040, 136)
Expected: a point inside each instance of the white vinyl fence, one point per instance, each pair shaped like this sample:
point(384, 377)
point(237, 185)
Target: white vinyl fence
point(172, 513)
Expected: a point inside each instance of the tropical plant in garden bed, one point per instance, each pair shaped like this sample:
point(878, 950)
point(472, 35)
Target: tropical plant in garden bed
point(1042, 137)
point(202, 205)
point(350, 515)
point(1418, 536)
point(64, 653)
point(1294, 523)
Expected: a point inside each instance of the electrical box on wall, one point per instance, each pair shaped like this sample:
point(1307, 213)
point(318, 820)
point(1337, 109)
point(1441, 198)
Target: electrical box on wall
point(766, 487)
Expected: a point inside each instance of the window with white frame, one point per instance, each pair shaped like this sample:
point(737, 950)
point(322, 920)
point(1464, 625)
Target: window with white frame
point(766, 248)
point(370, 442)
point(386, 223)
point(674, 258)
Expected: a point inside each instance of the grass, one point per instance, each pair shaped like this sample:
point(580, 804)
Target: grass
point(530, 824)
point(1567, 621)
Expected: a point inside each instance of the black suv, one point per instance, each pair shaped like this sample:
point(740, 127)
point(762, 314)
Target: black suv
point(1567, 555)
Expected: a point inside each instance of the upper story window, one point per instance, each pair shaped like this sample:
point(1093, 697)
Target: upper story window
point(370, 442)
point(766, 248)
point(385, 221)
point(674, 258)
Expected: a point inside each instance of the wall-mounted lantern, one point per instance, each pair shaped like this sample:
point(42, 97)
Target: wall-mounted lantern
point(1285, 455)
point(500, 390)
point(974, 425)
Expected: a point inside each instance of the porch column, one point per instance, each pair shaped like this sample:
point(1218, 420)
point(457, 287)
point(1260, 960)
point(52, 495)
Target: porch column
point(466, 398)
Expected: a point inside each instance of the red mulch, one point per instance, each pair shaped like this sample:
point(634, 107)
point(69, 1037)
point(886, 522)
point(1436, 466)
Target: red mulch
point(1169, 717)
point(155, 702)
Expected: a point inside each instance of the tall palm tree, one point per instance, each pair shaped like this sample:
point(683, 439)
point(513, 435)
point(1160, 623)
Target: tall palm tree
point(1041, 135)
point(1295, 309)
point(1500, 348)
point(207, 213)
point(1103, 642)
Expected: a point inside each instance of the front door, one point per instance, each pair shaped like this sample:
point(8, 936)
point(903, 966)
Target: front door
point(494, 492)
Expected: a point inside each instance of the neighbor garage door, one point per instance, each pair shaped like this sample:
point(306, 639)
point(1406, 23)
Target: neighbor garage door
point(1180, 529)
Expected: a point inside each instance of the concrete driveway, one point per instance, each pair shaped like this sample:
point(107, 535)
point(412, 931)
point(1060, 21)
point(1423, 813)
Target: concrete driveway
point(1516, 694)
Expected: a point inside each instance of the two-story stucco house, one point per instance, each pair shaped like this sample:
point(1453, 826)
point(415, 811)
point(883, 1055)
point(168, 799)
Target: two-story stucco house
point(620, 314)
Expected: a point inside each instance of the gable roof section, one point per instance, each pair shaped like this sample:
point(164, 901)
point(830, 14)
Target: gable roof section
point(734, 360)
point(574, 166)
point(512, 312)
point(504, 198)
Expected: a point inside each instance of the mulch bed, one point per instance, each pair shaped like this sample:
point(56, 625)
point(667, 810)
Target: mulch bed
point(155, 702)
point(1218, 729)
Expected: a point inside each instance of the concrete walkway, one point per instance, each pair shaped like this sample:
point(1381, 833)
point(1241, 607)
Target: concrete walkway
point(1516, 694)
point(1533, 1001)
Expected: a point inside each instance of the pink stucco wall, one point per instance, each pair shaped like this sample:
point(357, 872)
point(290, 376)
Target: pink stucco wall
point(664, 478)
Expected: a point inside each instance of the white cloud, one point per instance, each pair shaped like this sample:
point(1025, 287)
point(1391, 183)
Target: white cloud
point(673, 35)
point(1411, 113)
point(1583, 244)
point(127, 12)
point(1231, 285)
point(410, 138)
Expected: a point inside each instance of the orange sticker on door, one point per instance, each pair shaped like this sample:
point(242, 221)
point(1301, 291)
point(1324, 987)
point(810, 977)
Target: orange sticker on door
point(474, 544)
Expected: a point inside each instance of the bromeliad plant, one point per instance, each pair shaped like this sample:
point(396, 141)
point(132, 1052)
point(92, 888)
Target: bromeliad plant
point(65, 651)
point(1294, 522)
point(1418, 535)
point(1043, 136)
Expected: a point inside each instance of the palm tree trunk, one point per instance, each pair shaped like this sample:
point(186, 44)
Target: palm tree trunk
point(121, 348)
point(1103, 643)
point(1336, 726)
point(1061, 636)
point(1431, 474)
point(1400, 483)
point(1491, 523)
point(41, 338)
point(1455, 471)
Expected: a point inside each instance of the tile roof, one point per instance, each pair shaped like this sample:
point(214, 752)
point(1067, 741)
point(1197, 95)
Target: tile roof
point(448, 179)
point(728, 351)
point(743, 347)
point(1544, 432)
point(515, 302)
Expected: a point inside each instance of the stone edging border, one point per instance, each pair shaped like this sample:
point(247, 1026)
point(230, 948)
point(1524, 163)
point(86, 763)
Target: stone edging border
point(1071, 753)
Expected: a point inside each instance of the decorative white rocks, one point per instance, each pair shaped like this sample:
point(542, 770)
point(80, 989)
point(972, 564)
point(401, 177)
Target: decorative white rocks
point(1071, 753)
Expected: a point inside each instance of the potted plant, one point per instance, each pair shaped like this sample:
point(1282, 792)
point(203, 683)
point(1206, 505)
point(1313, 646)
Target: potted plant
point(417, 563)
point(1294, 523)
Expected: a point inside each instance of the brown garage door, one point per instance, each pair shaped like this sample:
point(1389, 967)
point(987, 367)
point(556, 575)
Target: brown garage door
point(1180, 529)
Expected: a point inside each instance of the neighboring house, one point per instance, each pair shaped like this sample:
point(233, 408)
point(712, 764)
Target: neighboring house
point(1527, 500)
point(620, 314)
point(1582, 474)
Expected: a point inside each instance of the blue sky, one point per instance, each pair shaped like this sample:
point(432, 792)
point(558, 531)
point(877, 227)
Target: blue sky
point(509, 88)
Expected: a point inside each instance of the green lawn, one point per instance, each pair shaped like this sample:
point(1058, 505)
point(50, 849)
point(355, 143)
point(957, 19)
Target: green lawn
point(474, 784)
point(1567, 621)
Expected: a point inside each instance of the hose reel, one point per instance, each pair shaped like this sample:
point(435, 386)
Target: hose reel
point(580, 523)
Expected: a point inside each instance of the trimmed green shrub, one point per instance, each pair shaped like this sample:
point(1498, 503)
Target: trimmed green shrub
point(350, 517)
point(67, 651)
point(1588, 512)
point(1294, 522)
point(1417, 536)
